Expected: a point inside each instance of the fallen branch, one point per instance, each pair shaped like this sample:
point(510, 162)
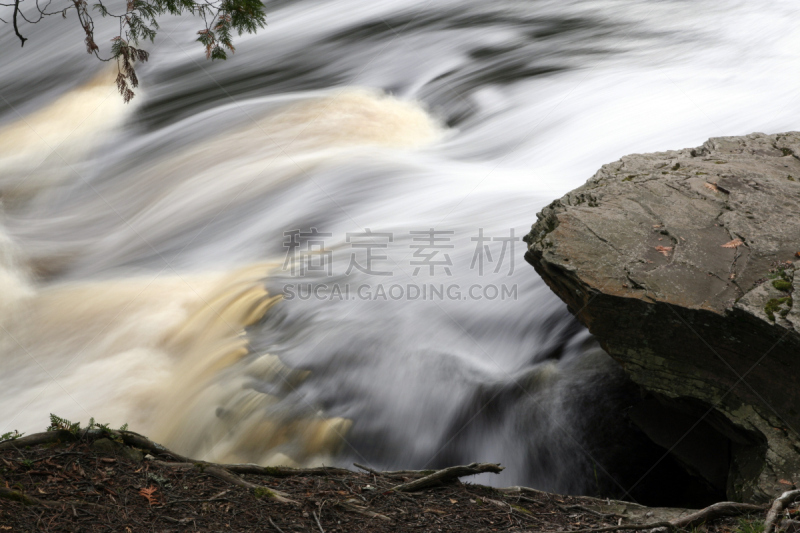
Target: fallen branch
point(285, 471)
point(396, 474)
point(448, 474)
point(777, 508)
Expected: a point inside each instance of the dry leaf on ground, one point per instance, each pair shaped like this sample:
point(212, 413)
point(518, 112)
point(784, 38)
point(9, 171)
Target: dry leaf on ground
point(149, 493)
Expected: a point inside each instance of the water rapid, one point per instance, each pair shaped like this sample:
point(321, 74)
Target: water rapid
point(310, 254)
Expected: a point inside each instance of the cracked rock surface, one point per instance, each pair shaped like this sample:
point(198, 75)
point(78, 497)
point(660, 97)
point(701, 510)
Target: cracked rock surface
point(682, 264)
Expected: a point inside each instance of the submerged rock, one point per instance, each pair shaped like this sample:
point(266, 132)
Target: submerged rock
point(682, 264)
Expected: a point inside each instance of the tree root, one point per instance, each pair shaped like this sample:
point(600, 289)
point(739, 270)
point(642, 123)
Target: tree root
point(226, 475)
point(17, 496)
point(38, 438)
point(448, 474)
point(21, 497)
point(712, 512)
point(776, 510)
point(654, 525)
point(718, 510)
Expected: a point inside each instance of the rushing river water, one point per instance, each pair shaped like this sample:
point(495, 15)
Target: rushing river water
point(350, 156)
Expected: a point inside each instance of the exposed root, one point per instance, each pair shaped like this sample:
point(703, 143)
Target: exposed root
point(709, 514)
point(776, 510)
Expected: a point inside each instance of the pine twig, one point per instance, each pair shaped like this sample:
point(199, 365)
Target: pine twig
point(16, 30)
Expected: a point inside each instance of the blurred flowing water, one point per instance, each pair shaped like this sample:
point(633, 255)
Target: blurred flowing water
point(144, 247)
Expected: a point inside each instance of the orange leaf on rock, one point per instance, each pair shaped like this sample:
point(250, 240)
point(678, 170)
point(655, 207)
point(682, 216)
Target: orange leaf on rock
point(735, 243)
point(665, 250)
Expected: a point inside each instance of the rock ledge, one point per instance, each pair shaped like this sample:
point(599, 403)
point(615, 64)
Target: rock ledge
point(682, 264)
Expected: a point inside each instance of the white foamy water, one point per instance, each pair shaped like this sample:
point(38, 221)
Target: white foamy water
point(144, 247)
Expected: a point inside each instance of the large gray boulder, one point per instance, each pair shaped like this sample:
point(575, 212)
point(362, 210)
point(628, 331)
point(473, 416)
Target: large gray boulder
point(682, 264)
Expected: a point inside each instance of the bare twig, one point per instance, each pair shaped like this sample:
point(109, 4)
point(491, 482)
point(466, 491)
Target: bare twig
point(317, 520)
point(16, 30)
point(350, 506)
point(273, 524)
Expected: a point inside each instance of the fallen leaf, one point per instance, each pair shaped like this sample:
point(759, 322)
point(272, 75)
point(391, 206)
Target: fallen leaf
point(712, 186)
point(797, 254)
point(149, 493)
point(664, 250)
point(785, 482)
point(732, 276)
point(735, 243)
point(453, 501)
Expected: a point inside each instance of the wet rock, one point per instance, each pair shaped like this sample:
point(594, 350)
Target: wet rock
point(682, 264)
